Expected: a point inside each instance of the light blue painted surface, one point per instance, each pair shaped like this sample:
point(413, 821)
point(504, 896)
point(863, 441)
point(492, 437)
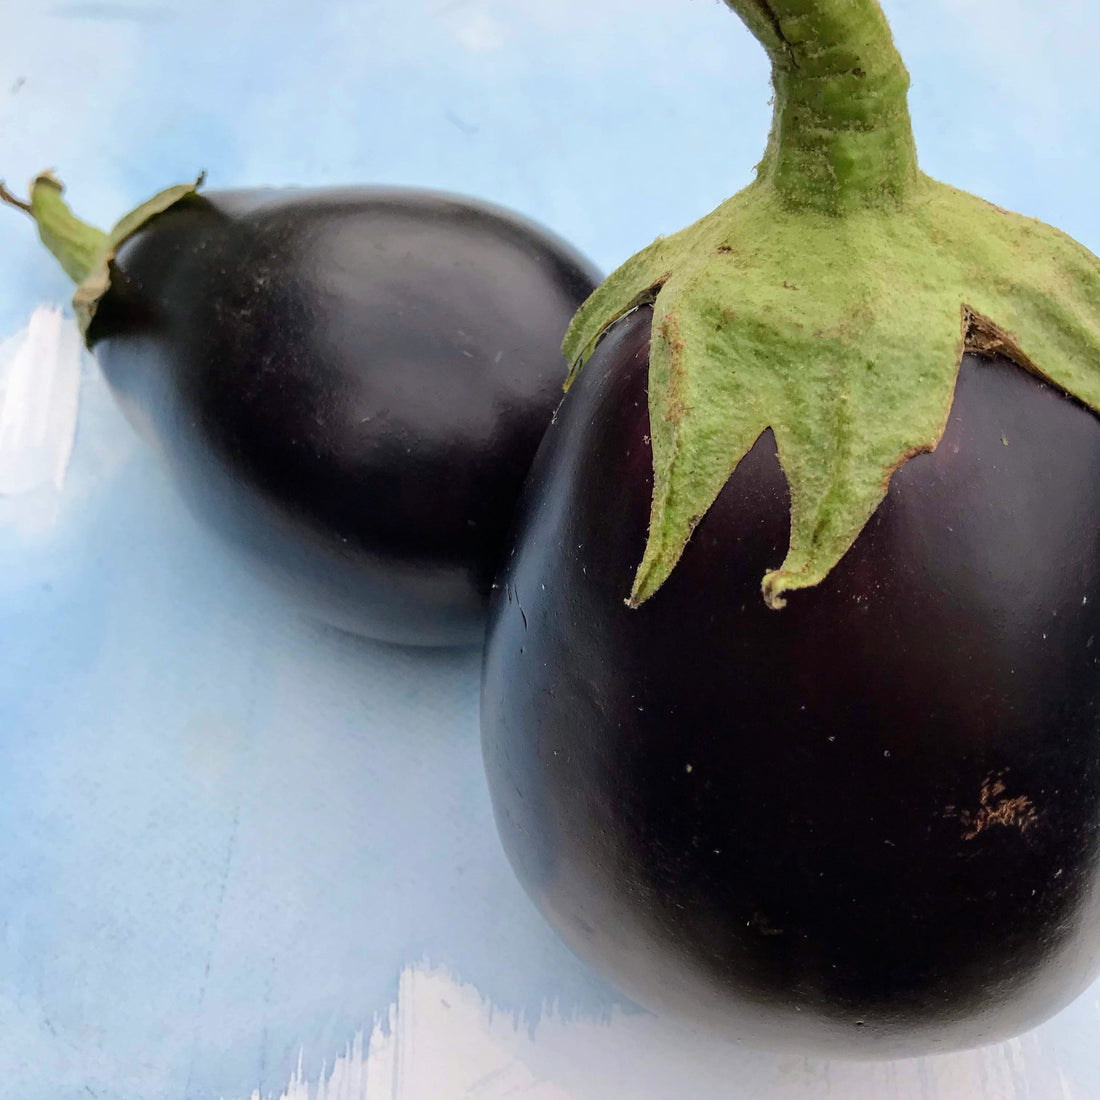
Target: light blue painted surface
point(223, 831)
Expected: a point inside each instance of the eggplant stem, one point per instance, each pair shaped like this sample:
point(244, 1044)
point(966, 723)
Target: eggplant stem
point(841, 136)
point(12, 200)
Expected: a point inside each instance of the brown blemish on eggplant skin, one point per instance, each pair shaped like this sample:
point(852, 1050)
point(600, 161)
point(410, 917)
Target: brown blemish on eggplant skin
point(994, 809)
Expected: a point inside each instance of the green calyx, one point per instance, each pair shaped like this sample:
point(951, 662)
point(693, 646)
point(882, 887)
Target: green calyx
point(83, 251)
point(832, 300)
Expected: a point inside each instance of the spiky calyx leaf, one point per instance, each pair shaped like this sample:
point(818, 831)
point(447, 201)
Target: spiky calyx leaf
point(838, 319)
point(83, 251)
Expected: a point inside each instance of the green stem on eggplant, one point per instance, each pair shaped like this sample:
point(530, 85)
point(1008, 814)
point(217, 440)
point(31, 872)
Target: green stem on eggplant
point(831, 302)
point(74, 244)
point(841, 135)
point(83, 251)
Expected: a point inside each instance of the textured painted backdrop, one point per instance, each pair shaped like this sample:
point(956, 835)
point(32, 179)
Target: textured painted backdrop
point(241, 853)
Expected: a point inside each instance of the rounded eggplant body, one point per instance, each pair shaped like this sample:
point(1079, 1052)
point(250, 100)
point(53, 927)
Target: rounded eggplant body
point(349, 385)
point(865, 825)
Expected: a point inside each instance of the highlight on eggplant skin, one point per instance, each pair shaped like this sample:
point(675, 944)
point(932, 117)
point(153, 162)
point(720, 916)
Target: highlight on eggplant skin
point(348, 384)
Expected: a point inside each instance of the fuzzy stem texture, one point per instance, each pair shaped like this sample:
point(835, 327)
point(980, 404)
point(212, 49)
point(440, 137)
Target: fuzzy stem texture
point(841, 137)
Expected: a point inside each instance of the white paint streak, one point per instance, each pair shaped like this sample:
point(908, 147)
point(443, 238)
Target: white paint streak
point(443, 1041)
point(1067, 1094)
point(39, 395)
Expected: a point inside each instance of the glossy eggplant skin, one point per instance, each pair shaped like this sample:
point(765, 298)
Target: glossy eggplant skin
point(865, 825)
point(349, 385)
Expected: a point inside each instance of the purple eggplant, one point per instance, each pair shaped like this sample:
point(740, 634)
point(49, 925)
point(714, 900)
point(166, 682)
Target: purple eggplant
point(791, 694)
point(348, 384)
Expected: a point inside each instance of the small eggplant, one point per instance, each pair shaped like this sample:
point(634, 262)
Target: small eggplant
point(348, 384)
point(791, 694)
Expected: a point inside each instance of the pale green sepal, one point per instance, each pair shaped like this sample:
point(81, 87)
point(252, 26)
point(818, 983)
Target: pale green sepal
point(632, 284)
point(98, 279)
point(843, 334)
point(701, 421)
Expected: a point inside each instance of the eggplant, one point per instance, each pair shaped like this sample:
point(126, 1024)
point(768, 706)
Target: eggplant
point(791, 701)
point(867, 823)
point(348, 384)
